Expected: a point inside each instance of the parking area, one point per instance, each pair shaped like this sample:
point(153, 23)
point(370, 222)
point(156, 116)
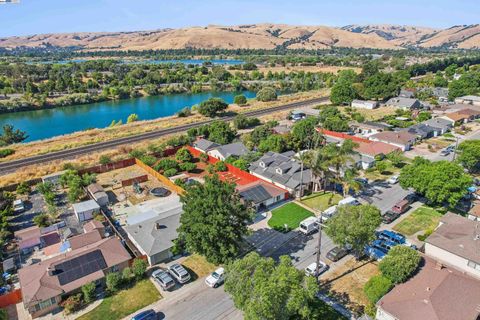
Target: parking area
point(34, 205)
point(383, 195)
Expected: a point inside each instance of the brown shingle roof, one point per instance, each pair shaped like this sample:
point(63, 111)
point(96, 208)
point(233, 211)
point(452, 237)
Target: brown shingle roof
point(37, 285)
point(456, 235)
point(456, 116)
point(92, 225)
point(434, 294)
point(85, 239)
point(475, 211)
point(400, 137)
point(375, 148)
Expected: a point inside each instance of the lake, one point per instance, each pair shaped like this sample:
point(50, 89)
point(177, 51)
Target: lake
point(47, 123)
point(151, 61)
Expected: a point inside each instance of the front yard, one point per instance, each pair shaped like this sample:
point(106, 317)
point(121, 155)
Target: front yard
point(290, 214)
point(322, 201)
point(125, 302)
point(198, 266)
point(423, 218)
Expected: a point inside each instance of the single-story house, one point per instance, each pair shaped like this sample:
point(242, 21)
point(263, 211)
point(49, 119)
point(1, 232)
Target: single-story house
point(442, 124)
point(370, 151)
point(455, 242)
point(368, 128)
point(435, 292)
point(86, 210)
point(94, 225)
point(455, 118)
point(44, 284)
point(404, 103)
point(404, 93)
point(470, 113)
point(473, 100)
point(284, 171)
point(154, 237)
point(401, 139)
point(204, 145)
point(364, 104)
point(261, 194)
point(441, 94)
point(423, 131)
point(222, 152)
point(98, 194)
point(35, 237)
point(53, 177)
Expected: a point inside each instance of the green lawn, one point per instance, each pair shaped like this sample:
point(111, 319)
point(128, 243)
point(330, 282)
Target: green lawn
point(125, 302)
point(322, 201)
point(291, 214)
point(423, 218)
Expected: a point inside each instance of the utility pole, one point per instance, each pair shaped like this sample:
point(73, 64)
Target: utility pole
point(317, 269)
point(455, 151)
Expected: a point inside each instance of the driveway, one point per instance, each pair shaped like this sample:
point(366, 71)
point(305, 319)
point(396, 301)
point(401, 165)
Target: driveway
point(383, 195)
point(33, 206)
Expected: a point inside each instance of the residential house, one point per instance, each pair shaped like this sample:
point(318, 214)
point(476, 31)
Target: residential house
point(368, 128)
point(441, 94)
point(435, 292)
point(404, 93)
point(154, 237)
point(471, 114)
point(94, 225)
point(44, 284)
point(401, 139)
point(441, 124)
point(284, 171)
point(422, 131)
point(456, 242)
point(473, 100)
point(404, 103)
point(369, 152)
point(35, 237)
point(364, 104)
point(86, 210)
point(261, 195)
point(98, 194)
point(204, 145)
point(456, 118)
point(235, 149)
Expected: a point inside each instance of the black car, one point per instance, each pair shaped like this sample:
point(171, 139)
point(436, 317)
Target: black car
point(411, 198)
point(390, 216)
point(336, 254)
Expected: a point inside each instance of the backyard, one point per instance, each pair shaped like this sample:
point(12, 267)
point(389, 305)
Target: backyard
point(125, 302)
point(423, 218)
point(290, 214)
point(322, 201)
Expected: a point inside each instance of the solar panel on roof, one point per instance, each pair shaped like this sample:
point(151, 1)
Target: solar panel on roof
point(80, 267)
point(255, 194)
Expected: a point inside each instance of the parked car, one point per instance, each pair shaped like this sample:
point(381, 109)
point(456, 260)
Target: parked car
point(390, 216)
point(298, 116)
point(393, 179)
point(391, 236)
point(179, 273)
point(309, 225)
point(450, 148)
point(336, 254)
point(18, 206)
point(379, 248)
point(411, 198)
point(401, 206)
point(362, 181)
point(149, 314)
point(311, 270)
point(329, 213)
point(445, 152)
point(164, 279)
point(216, 278)
point(349, 201)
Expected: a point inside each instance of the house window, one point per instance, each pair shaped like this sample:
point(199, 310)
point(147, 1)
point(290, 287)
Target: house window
point(114, 268)
point(474, 265)
point(45, 304)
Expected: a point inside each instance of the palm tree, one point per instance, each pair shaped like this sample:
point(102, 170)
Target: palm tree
point(349, 182)
point(320, 165)
point(304, 158)
point(338, 158)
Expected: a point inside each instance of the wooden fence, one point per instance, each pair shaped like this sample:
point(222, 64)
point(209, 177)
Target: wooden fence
point(10, 298)
point(169, 184)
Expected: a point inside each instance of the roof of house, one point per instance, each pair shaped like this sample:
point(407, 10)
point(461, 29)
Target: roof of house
point(421, 129)
point(84, 206)
point(470, 97)
point(404, 93)
point(434, 293)
point(92, 225)
point(398, 137)
point(281, 168)
point(456, 116)
point(364, 101)
point(38, 284)
point(457, 235)
point(375, 148)
point(403, 102)
point(204, 144)
point(28, 237)
point(438, 123)
point(469, 112)
point(475, 210)
point(85, 239)
point(236, 149)
point(259, 191)
point(155, 235)
point(94, 188)
point(369, 125)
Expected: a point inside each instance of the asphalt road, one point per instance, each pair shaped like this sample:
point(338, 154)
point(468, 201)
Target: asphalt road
point(9, 166)
point(383, 195)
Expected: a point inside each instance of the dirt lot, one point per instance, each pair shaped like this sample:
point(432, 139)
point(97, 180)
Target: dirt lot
point(346, 283)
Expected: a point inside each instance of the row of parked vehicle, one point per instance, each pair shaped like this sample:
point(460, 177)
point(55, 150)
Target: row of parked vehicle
point(165, 277)
point(386, 239)
point(399, 208)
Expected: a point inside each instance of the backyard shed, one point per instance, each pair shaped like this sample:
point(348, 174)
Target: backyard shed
point(86, 210)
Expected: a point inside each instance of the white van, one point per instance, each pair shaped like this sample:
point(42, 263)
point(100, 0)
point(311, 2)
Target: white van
point(309, 225)
point(349, 201)
point(329, 213)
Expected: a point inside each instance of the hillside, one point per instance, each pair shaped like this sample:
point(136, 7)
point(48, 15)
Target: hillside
point(260, 36)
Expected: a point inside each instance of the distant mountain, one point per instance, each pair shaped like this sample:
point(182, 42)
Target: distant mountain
point(260, 36)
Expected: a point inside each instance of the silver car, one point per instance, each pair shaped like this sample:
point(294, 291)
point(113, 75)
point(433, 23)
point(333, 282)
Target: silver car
point(164, 279)
point(179, 273)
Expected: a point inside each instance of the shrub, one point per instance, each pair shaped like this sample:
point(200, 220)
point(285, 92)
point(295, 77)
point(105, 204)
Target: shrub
point(400, 263)
point(6, 152)
point(188, 166)
point(241, 164)
point(166, 164)
point(42, 220)
point(243, 122)
point(185, 112)
point(220, 166)
point(148, 160)
point(211, 107)
point(127, 274)
point(139, 267)
point(72, 303)
point(377, 287)
point(136, 153)
point(203, 157)
point(88, 291)
point(113, 281)
point(267, 94)
point(183, 155)
point(170, 172)
point(240, 100)
point(104, 159)
point(23, 188)
point(424, 236)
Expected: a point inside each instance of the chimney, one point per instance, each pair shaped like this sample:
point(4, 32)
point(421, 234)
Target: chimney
point(439, 265)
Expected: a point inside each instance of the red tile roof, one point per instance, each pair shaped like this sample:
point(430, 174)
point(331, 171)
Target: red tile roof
point(375, 148)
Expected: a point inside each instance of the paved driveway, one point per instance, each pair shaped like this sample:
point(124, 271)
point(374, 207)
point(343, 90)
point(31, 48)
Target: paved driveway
point(383, 195)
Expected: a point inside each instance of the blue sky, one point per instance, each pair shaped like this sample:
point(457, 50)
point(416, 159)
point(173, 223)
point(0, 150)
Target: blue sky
point(50, 16)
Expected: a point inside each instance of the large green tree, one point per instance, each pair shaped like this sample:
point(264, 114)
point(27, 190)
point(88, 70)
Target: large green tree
point(11, 135)
point(211, 107)
point(380, 86)
point(305, 135)
point(354, 226)
point(214, 220)
point(263, 289)
point(342, 92)
point(469, 154)
point(440, 182)
point(267, 94)
point(400, 263)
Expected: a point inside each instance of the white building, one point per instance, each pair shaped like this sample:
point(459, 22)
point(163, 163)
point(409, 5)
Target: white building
point(365, 104)
point(86, 210)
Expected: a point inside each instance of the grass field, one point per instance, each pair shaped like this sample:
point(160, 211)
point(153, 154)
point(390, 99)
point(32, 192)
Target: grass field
point(125, 302)
point(198, 265)
point(290, 214)
point(423, 218)
point(322, 201)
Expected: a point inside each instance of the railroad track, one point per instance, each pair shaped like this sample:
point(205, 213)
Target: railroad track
point(10, 166)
